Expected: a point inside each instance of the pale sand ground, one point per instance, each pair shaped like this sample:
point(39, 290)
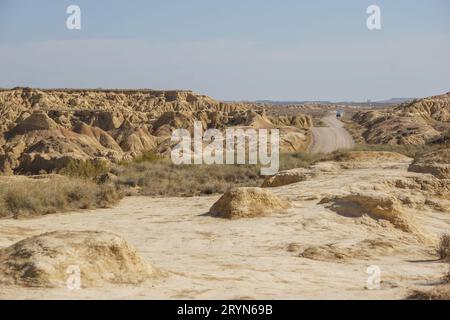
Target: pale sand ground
point(208, 258)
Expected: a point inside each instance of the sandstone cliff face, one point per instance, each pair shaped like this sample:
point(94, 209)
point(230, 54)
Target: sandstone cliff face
point(416, 122)
point(43, 130)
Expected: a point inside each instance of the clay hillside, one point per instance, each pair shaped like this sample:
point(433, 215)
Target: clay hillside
point(417, 122)
point(44, 130)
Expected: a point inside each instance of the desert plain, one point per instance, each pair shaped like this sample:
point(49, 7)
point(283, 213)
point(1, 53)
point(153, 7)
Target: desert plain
point(360, 210)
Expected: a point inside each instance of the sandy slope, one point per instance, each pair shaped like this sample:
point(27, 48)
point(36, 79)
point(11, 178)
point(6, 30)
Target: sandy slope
point(210, 258)
point(331, 138)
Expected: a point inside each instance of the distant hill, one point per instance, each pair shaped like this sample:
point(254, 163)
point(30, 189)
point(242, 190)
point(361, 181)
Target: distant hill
point(396, 100)
point(275, 102)
point(392, 101)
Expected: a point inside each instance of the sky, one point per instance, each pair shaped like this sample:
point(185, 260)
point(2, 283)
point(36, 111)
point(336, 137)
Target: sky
point(231, 50)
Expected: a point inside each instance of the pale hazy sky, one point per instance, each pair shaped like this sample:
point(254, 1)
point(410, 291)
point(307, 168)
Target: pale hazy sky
point(231, 50)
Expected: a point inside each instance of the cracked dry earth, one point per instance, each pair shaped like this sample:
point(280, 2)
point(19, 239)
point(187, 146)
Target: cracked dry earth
point(308, 252)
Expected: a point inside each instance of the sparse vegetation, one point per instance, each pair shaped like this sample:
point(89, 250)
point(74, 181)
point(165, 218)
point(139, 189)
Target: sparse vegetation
point(304, 159)
point(162, 178)
point(85, 169)
point(410, 150)
point(26, 197)
point(152, 175)
point(156, 176)
point(148, 156)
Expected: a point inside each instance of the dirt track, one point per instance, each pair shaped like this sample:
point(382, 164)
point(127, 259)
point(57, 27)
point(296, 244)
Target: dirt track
point(331, 138)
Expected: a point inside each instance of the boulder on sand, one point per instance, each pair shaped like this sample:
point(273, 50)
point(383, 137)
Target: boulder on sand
point(47, 260)
point(376, 205)
point(247, 203)
point(287, 177)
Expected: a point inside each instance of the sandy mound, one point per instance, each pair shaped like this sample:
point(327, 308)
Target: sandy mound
point(328, 252)
point(361, 250)
point(378, 206)
point(284, 178)
point(287, 177)
point(46, 260)
point(247, 203)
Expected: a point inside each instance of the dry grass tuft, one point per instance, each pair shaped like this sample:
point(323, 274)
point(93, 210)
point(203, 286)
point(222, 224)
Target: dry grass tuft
point(162, 178)
point(296, 160)
point(27, 197)
point(152, 175)
point(85, 169)
point(156, 176)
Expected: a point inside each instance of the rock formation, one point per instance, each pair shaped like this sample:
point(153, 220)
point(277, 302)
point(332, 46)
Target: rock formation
point(247, 203)
point(48, 260)
point(416, 122)
point(43, 130)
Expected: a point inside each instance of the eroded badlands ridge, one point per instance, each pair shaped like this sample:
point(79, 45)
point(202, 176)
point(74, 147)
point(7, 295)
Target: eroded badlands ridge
point(44, 130)
point(418, 122)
